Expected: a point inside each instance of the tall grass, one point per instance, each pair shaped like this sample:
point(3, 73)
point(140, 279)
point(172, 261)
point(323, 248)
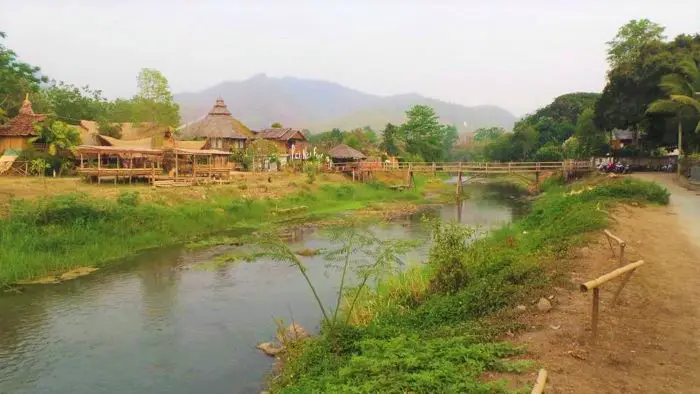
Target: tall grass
point(409, 335)
point(57, 234)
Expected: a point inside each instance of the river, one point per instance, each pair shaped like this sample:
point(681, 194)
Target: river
point(160, 323)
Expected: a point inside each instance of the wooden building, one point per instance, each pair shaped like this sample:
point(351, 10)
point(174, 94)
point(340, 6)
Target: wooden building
point(219, 129)
point(291, 143)
point(18, 132)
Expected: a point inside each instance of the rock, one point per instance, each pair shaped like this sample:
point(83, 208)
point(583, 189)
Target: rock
point(543, 305)
point(550, 297)
point(558, 326)
point(270, 348)
point(520, 308)
point(293, 332)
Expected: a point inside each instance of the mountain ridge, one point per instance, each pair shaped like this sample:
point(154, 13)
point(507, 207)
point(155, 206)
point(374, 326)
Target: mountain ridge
point(320, 105)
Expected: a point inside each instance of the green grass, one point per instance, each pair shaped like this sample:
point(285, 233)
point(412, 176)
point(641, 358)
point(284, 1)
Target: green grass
point(57, 234)
point(409, 337)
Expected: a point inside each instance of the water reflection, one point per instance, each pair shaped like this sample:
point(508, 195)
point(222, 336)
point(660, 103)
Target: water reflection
point(161, 323)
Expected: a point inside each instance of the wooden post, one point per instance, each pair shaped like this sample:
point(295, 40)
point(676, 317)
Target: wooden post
point(626, 279)
point(153, 175)
point(210, 164)
point(194, 166)
point(434, 169)
point(81, 160)
point(680, 147)
point(99, 165)
point(176, 165)
point(459, 183)
point(26, 168)
point(594, 315)
point(537, 178)
point(116, 176)
point(131, 167)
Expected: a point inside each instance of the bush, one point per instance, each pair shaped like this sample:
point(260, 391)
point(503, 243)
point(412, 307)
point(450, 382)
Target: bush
point(549, 153)
point(446, 256)
point(130, 199)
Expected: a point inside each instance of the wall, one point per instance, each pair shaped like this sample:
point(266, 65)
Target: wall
point(13, 142)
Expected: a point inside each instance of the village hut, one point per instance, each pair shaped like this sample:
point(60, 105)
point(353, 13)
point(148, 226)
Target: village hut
point(219, 129)
point(291, 143)
point(342, 154)
point(19, 131)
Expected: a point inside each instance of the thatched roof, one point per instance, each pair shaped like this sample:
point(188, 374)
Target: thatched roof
point(23, 123)
point(281, 134)
point(218, 123)
point(116, 150)
point(111, 141)
point(343, 151)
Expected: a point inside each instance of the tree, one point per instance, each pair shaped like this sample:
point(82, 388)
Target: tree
point(449, 138)
point(276, 125)
point(260, 150)
point(488, 134)
point(154, 102)
point(634, 85)
point(57, 136)
point(423, 134)
point(683, 99)
point(588, 140)
point(390, 143)
point(72, 104)
point(627, 45)
point(16, 79)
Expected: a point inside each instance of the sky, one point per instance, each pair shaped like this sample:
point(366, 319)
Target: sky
point(512, 53)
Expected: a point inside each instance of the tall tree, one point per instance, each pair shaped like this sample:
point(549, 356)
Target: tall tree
point(390, 142)
point(423, 133)
point(16, 79)
point(72, 104)
point(488, 134)
point(154, 101)
point(631, 38)
point(683, 101)
point(276, 125)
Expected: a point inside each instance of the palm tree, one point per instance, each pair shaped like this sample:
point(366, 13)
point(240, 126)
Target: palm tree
point(683, 100)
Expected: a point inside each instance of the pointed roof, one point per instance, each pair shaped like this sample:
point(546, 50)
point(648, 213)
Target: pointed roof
point(23, 123)
point(218, 123)
point(343, 151)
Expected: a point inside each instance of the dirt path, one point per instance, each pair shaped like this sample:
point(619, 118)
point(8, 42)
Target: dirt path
point(650, 342)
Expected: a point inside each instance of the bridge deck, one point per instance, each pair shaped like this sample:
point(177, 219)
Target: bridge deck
point(468, 167)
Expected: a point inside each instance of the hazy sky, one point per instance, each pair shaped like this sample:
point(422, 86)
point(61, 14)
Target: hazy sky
point(514, 53)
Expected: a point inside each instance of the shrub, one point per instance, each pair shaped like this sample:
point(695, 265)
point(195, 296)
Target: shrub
point(130, 199)
point(450, 274)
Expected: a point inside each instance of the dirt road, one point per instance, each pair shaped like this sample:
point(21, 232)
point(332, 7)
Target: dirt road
point(650, 342)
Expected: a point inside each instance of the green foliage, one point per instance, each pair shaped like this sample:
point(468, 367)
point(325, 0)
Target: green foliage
point(310, 169)
point(488, 134)
point(549, 153)
point(38, 166)
point(16, 79)
point(390, 142)
point(58, 136)
point(631, 39)
point(53, 235)
point(447, 255)
point(276, 125)
point(130, 199)
point(154, 102)
point(72, 104)
point(422, 338)
point(423, 134)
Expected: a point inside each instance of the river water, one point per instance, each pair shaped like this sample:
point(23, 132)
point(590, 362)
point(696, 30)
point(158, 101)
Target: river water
point(160, 323)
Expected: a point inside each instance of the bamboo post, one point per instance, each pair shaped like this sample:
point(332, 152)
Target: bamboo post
point(210, 164)
point(594, 314)
point(434, 169)
point(540, 383)
point(595, 285)
point(626, 279)
point(116, 176)
point(153, 175)
point(131, 167)
point(26, 168)
point(99, 165)
point(194, 166)
point(81, 161)
point(176, 165)
point(620, 242)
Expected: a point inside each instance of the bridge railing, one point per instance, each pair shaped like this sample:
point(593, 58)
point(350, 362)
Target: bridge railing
point(483, 167)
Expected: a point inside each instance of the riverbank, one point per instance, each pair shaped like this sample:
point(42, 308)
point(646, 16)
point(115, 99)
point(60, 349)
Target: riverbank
point(414, 334)
point(50, 234)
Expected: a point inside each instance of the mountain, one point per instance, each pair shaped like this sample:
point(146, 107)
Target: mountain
point(320, 105)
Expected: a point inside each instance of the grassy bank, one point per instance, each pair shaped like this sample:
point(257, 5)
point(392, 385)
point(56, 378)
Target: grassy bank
point(55, 234)
point(432, 329)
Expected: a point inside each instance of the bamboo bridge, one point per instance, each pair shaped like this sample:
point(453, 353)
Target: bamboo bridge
point(364, 170)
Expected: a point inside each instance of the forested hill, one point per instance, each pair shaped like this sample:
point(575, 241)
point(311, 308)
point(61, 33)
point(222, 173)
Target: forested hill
point(321, 105)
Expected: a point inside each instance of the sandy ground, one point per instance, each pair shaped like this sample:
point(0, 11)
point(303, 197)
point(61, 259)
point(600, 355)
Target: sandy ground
point(649, 343)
